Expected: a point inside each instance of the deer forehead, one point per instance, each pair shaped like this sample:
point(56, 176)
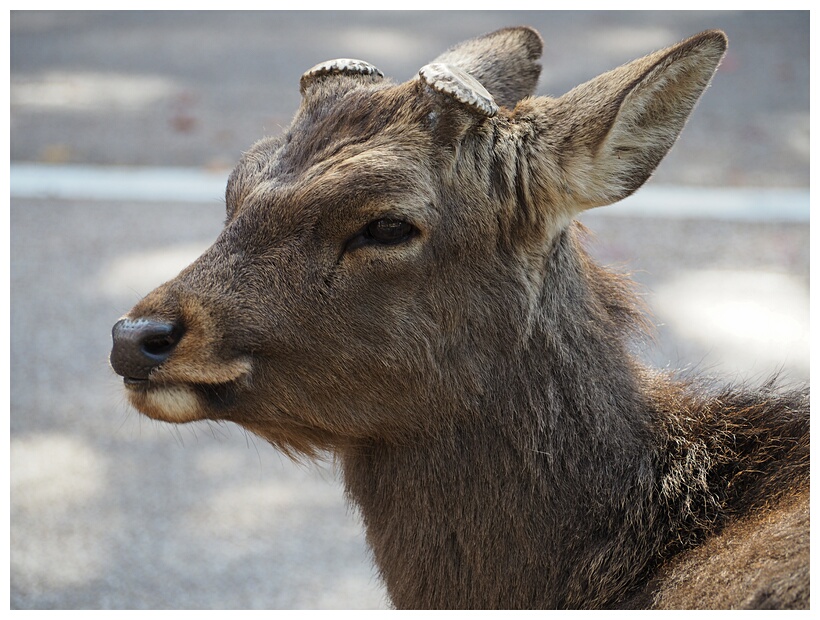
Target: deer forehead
point(377, 166)
point(331, 119)
point(331, 170)
point(372, 151)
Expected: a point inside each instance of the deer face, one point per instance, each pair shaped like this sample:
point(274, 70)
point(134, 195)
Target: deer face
point(313, 313)
point(381, 257)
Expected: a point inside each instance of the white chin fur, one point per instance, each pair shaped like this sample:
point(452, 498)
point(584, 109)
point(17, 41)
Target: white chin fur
point(172, 404)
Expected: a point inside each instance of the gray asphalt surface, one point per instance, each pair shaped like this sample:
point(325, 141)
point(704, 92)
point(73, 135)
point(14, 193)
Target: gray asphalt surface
point(110, 510)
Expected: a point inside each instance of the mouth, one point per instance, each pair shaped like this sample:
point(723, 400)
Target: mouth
point(181, 402)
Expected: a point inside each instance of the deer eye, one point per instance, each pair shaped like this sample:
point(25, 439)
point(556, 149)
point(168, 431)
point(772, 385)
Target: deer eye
point(384, 231)
point(389, 231)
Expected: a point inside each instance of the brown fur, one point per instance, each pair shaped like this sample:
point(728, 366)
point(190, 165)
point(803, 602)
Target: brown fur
point(475, 377)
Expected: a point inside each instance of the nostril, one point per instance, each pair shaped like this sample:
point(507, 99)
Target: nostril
point(140, 345)
point(161, 344)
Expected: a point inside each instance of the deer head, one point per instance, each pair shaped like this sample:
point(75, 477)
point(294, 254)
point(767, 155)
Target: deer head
point(386, 255)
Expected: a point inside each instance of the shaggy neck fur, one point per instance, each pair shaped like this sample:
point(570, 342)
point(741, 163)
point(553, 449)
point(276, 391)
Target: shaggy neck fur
point(575, 479)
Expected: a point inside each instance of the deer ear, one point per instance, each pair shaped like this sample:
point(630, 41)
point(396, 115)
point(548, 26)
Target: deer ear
point(606, 137)
point(504, 61)
point(331, 69)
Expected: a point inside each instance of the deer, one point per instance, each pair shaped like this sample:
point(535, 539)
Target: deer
point(402, 285)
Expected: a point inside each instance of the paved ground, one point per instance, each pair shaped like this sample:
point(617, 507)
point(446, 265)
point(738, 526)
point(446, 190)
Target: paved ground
point(110, 510)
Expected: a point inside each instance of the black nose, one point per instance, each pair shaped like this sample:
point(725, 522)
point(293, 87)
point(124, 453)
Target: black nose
point(141, 345)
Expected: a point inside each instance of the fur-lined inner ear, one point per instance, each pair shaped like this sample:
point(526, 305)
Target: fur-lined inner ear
point(339, 66)
point(602, 140)
point(459, 86)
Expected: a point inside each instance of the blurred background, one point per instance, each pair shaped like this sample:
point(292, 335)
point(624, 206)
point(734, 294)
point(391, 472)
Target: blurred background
point(124, 126)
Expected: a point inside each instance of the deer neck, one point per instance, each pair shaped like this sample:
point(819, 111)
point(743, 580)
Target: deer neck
point(520, 505)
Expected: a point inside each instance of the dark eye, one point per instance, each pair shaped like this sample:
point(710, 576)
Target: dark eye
point(385, 231)
point(388, 231)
